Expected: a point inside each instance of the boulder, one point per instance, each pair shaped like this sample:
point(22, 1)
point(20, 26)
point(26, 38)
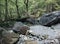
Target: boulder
point(20, 28)
point(5, 37)
point(42, 31)
point(50, 18)
point(1, 37)
point(9, 37)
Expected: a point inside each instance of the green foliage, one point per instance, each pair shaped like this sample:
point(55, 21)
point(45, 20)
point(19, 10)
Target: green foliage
point(35, 7)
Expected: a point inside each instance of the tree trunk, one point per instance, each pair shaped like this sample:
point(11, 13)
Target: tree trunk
point(17, 8)
point(0, 15)
point(26, 4)
point(6, 9)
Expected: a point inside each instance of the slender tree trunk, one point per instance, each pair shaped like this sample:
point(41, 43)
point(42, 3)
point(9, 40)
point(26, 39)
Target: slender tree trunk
point(53, 7)
point(10, 14)
point(0, 13)
point(26, 4)
point(17, 7)
point(6, 9)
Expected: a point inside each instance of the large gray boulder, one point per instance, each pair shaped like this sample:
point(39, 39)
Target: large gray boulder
point(20, 28)
point(50, 18)
point(42, 30)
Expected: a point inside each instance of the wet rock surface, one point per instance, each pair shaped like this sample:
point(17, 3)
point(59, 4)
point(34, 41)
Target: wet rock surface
point(50, 18)
point(35, 34)
point(42, 35)
point(7, 36)
point(20, 28)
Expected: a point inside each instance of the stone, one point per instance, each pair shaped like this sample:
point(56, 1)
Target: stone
point(50, 18)
point(20, 28)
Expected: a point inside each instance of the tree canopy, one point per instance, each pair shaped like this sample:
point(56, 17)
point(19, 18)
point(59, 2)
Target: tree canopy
point(14, 9)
